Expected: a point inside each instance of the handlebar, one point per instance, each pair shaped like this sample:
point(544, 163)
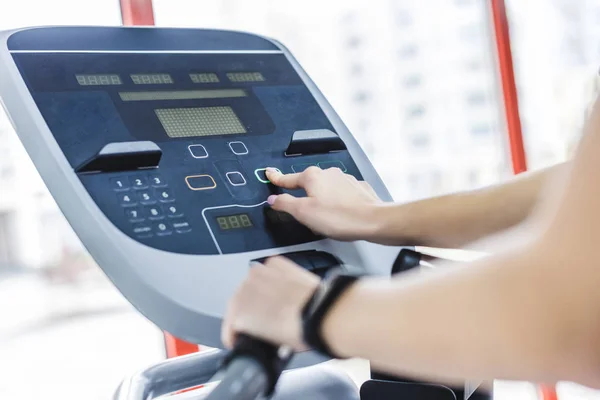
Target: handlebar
point(250, 371)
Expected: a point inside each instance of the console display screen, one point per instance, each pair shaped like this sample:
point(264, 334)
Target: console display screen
point(237, 221)
point(97, 80)
point(151, 79)
point(200, 121)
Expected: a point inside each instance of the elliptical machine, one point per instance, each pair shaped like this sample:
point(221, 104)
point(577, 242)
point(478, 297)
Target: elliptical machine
point(154, 144)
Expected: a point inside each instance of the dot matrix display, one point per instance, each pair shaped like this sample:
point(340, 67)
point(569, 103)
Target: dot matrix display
point(200, 121)
point(151, 79)
point(204, 78)
point(97, 80)
point(245, 77)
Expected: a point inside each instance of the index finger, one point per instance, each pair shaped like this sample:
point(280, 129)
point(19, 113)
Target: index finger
point(286, 181)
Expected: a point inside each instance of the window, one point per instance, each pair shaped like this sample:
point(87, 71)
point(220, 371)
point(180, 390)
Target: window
point(408, 51)
point(412, 81)
point(356, 69)
point(476, 98)
point(354, 42)
point(416, 111)
point(403, 19)
point(481, 130)
point(361, 97)
point(420, 140)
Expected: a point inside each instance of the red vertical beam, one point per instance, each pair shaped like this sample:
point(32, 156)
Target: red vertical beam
point(509, 87)
point(137, 12)
point(511, 106)
point(141, 12)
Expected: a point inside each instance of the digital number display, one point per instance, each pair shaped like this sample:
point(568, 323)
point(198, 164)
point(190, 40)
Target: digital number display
point(245, 77)
point(98, 80)
point(204, 78)
point(151, 79)
point(238, 221)
point(200, 121)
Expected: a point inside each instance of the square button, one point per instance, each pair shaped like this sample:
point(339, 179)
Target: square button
point(162, 229)
point(173, 211)
point(238, 148)
point(181, 226)
point(297, 168)
point(165, 195)
point(119, 184)
point(157, 181)
point(142, 230)
point(236, 178)
point(261, 175)
point(139, 182)
point(154, 212)
point(198, 151)
point(134, 214)
point(127, 199)
point(146, 197)
point(332, 164)
point(200, 182)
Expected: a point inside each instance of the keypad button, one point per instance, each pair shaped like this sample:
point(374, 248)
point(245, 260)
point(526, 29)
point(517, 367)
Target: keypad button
point(139, 182)
point(297, 168)
point(261, 175)
point(238, 148)
point(165, 195)
point(119, 184)
point(142, 230)
point(198, 151)
point(173, 211)
point(181, 226)
point(333, 164)
point(236, 178)
point(134, 214)
point(162, 229)
point(200, 182)
point(154, 212)
point(127, 199)
point(145, 197)
point(157, 181)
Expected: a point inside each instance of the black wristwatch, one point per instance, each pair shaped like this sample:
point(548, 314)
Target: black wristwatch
point(313, 314)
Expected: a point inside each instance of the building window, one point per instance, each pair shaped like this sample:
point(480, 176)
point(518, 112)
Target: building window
point(361, 96)
point(476, 98)
point(408, 51)
point(356, 69)
point(403, 19)
point(416, 111)
point(354, 42)
point(420, 140)
point(481, 130)
point(412, 81)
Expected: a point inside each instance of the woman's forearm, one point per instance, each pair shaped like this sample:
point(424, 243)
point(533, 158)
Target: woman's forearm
point(455, 220)
point(501, 320)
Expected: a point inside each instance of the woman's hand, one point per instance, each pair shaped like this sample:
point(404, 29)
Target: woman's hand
point(338, 205)
point(268, 305)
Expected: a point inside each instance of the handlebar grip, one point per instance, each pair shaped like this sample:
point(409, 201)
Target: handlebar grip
point(272, 358)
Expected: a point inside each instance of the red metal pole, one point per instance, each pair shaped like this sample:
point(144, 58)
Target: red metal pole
point(137, 12)
point(509, 87)
point(511, 106)
point(141, 12)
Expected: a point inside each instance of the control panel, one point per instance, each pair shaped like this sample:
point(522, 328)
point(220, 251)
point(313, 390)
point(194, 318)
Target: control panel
point(174, 147)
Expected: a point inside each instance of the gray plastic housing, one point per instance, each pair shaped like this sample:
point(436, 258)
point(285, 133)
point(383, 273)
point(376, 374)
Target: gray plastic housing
point(185, 295)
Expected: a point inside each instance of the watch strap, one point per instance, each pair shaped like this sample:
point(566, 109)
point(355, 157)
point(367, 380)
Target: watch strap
point(317, 308)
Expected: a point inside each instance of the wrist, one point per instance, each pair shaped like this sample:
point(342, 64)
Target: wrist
point(340, 322)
